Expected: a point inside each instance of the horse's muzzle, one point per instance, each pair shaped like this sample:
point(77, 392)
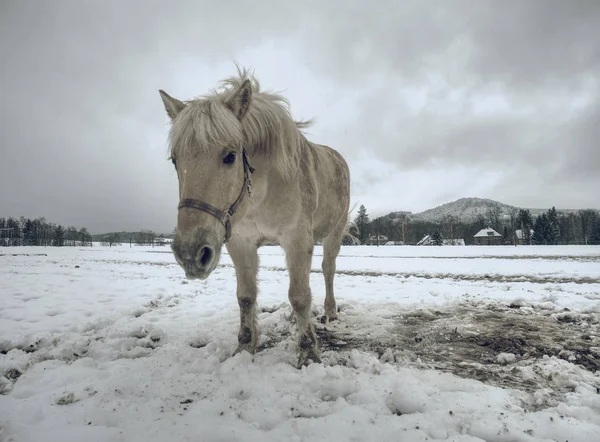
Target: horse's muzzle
point(197, 256)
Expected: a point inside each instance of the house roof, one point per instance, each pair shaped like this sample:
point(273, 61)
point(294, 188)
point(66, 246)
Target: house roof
point(519, 233)
point(486, 233)
point(425, 239)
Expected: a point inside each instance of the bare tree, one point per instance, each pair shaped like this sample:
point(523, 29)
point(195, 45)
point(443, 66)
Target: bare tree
point(451, 227)
point(513, 214)
point(145, 237)
point(402, 227)
point(492, 216)
point(85, 239)
point(71, 236)
point(111, 239)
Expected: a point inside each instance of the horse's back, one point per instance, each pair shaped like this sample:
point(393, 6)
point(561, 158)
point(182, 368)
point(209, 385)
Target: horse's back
point(332, 176)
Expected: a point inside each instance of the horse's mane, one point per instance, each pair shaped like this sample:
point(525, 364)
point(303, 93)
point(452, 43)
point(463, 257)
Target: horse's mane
point(268, 129)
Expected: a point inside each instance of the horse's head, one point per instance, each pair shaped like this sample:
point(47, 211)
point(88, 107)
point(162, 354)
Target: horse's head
point(207, 150)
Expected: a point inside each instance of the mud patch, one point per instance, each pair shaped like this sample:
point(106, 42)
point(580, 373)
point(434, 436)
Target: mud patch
point(498, 344)
point(479, 333)
point(478, 340)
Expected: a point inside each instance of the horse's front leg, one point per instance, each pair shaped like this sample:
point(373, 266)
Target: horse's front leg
point(299, 258)
point(244, 255)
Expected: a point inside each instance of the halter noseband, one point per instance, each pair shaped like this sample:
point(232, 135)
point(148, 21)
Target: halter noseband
point(223, 215)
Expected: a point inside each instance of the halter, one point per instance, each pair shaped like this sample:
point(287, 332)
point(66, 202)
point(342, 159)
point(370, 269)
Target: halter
point(224, 215)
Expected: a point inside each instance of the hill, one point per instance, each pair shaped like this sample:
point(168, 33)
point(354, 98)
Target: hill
point(468, 209)
point(465, 209)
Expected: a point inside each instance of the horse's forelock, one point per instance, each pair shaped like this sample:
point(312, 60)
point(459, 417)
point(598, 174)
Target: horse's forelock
point(268, 129)
point(205, 124)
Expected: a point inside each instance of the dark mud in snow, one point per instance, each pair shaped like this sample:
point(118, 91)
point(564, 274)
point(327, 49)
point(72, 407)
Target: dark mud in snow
point(466, 340)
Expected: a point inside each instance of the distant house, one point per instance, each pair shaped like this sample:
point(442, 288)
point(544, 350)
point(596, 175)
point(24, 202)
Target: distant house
point(375, 240)
point(427, 240)
point(161, 241)
point(394, 243)
point(487, 237)
point(350, 240)
point(519, 236)
point(454, 242)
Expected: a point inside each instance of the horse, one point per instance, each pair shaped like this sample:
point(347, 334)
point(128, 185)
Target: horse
point(248, 176)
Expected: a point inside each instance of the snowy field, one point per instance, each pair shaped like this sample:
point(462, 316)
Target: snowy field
point(433, 344)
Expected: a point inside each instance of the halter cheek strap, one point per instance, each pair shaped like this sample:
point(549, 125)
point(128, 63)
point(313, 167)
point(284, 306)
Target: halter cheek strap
point(224, 215)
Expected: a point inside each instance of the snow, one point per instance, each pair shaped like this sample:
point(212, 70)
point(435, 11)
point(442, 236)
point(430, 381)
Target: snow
point(433, 343)
point(506, 358)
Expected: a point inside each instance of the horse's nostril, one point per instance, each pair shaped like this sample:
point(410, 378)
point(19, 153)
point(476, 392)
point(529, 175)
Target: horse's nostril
point(205, 256)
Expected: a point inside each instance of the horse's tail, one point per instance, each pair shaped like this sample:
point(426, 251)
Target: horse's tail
point(351, 225)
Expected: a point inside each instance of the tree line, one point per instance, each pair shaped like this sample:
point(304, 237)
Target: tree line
point(550, 227)
point(15, 232)
point(141, 238)
point(39, 232)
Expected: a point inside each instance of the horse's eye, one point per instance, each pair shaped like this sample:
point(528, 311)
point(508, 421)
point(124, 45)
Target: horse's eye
point(229, 159)
point(174, 161)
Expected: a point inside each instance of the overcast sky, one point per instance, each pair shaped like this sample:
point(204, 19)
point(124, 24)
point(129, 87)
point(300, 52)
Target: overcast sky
point(429, 101)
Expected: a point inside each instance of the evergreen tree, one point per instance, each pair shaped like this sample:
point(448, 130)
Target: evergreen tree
point(59, 236)
point(37, 232)
point(541, 230)
point(3, 233)
point(436, 238)
point(362, 221)
point(587, 219)
point(553, 227)
point(595, 236)
point(28, 233)
point(525, 221)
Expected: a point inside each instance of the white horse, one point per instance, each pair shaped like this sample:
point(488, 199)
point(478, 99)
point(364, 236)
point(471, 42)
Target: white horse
point(247, 175)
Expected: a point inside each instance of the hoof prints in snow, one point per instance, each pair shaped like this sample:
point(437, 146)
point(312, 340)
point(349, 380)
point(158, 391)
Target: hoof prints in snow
point(138, 342)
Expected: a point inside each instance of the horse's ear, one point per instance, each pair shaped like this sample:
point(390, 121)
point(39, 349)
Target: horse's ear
point(172, 105)
point(240, 102)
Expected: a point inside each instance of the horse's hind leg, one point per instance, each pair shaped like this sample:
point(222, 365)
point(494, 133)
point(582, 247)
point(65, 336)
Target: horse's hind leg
point(298, 253)
point(331, 249)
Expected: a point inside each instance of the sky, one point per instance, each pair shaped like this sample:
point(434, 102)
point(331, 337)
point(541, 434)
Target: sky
point(428, 101)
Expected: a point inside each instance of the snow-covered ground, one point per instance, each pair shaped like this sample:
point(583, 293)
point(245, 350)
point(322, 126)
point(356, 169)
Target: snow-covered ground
point(433, 343)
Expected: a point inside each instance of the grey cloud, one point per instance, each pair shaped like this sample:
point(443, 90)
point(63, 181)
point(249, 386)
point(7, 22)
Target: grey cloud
point(529, 43)
point(83, 127)
point(84, 131)
point(581, 141)
point(539, 55)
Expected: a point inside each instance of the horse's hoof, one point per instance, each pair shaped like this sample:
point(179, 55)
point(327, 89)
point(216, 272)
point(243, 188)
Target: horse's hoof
point(327, 318)
point(306, 356)
point(245, 347)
